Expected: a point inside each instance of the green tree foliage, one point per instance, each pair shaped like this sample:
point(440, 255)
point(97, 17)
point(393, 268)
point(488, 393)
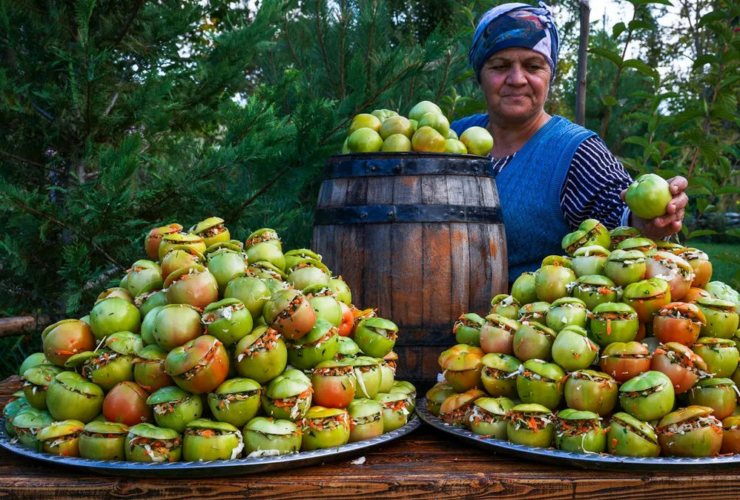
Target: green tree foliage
point(123, 116)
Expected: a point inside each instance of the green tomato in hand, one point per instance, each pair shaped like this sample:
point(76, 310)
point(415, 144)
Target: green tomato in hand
point(648, 196)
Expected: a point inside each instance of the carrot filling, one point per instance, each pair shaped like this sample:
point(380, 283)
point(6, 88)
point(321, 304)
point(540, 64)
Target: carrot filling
point(326, 423)
point(261, 238)
point(224, 312)
point(63, 439)
point(534, 422)
point(158, 450)
point(499, 374)
point(200, 365)
point(213, 231)
point(224, 400)
point(293, 400)
point(334, 371)
point(576, 428)
point(369, 419)
point(265, 343)
point(692, 424)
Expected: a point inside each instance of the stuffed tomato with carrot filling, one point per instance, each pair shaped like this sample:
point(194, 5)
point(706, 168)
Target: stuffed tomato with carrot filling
point(264, 437)
point(625, 266)
point(290, 313)
point(148, 443)
point(486, 417)
point(613, 322)
point(396, 410)
point(629, 437)
point(497, 334)
point(690, 432)
point(499, 374)
point(531, 425)
point(236, 401)
point(589, 390)
point(334, 384)
point(505, 305)
point(625, 360)
point(673, 269)
point(678, 322)
point(365, 419)
point(199, 366)
point(595, 289)
point(324, 428)
point(647, 297)
point(437, 395)
point(573, 350)
point(648, 396)
point(369, 376)
point(533, 341)
point(467, 329)
point(103, 441)
point(540, 383)
point(212, 230)
point(720, 355)
point(579, 431)
point(680, 364)
point(720, 394)
point(319, 345)
point(261, 355)
point(461, 366)
point(455, 410)
point(288, 396)
point(721, 315)
point(61, 438)
point(174, 408)
point(207, 440)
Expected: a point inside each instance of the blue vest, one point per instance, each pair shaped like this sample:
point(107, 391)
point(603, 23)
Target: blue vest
point(529, 189)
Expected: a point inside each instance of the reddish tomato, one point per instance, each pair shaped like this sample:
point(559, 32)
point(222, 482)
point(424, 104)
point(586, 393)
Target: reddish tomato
point(625, 360)
point(680, 364)
point(334, 384)
point(348, 321)
point(126, 404)
point(678, 322)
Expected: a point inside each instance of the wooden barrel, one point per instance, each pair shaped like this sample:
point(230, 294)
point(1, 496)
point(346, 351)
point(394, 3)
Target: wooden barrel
point(420, 237)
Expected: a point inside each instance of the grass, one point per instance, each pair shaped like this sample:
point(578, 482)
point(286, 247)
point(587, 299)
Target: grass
point(721, 270)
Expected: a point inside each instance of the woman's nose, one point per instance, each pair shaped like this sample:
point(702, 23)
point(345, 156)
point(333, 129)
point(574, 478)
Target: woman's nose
point(516, 75)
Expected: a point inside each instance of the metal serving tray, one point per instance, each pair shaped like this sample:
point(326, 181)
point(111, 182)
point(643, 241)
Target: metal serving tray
point(595, 461)
point(210, 469)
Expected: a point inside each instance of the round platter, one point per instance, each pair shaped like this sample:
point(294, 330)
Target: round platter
point(596, 461)
point(210, 469)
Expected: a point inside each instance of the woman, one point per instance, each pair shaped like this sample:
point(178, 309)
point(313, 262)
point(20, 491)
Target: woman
point(551, 174)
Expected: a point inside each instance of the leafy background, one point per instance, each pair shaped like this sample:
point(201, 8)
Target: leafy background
point(119, 116)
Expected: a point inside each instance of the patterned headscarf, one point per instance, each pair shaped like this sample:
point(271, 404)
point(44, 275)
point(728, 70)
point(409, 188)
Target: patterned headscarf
point(515, 25)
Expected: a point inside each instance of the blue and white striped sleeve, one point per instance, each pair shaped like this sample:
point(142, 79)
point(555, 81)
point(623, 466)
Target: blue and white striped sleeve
point(592, 186)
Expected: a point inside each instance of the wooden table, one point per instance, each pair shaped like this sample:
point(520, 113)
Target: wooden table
point(423, 465)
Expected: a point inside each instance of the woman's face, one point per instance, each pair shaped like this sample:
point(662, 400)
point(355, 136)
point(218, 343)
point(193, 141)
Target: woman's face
point(515, 82)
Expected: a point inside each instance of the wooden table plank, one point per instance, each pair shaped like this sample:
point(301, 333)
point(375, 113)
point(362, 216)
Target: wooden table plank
point(423, 465)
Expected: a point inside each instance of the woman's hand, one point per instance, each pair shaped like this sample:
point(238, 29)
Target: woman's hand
point(670, 223)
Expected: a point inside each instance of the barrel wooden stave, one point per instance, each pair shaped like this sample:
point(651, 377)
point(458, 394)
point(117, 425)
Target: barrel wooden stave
point(420, 275)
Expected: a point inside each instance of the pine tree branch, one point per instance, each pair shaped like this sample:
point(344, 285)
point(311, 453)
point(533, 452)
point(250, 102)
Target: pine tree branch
point(342, 29)
point(368, 102)
point(128, 23)
point(446, 73)
point(65, 226)
point(30, 7)
point(31, 162)
point(321, 40)
point(295, 58)
point(259, 193)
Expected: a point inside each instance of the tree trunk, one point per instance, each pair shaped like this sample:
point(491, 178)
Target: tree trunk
point(582, 61)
